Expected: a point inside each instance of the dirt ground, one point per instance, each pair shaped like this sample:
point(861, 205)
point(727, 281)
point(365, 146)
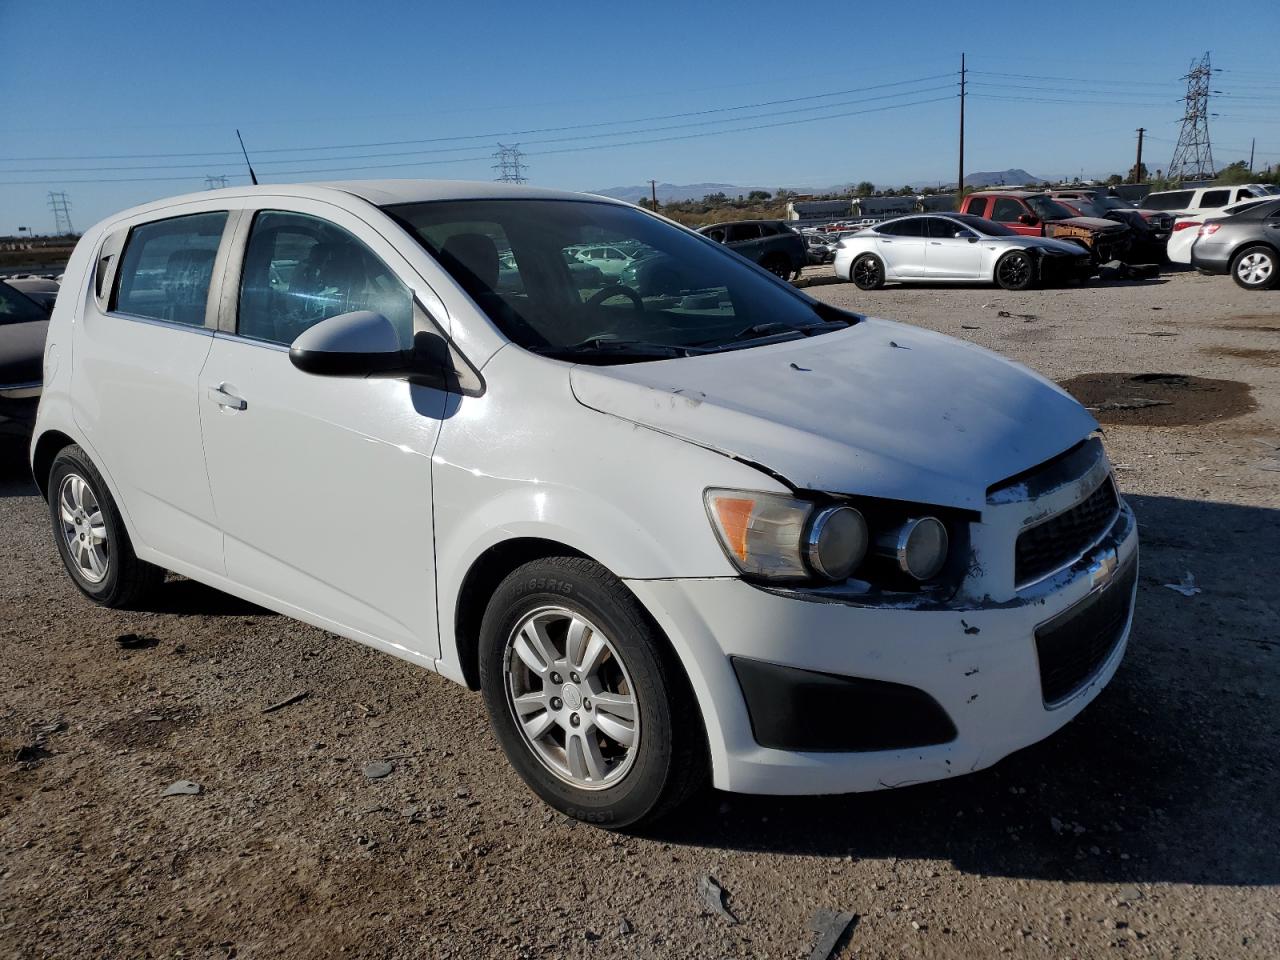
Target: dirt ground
point(1147, 827)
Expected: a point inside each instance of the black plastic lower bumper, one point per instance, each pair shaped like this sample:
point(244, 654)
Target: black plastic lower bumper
point(793, 709)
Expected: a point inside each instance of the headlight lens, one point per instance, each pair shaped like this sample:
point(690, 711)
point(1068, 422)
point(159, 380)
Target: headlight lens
point(919, 546)
point(837, 542)
point(761, 532)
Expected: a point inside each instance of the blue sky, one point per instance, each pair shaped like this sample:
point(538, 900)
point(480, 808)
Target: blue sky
point(133, 84)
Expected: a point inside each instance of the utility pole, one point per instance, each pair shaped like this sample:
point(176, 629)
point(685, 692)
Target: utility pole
point(1137, 167)
point(960, 175)
point(1253, 142)
point(653, 193)
point(1193, 156)
point(61, 208)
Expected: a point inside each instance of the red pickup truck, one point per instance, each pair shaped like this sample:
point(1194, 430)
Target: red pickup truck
point(1035, 214)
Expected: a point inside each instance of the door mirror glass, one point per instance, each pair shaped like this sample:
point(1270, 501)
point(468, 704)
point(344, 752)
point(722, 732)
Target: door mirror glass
point(358, 344)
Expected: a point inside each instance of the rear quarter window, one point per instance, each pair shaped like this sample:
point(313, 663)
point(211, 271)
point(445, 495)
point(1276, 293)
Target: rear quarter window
point(1171, 200)
point(167, 266)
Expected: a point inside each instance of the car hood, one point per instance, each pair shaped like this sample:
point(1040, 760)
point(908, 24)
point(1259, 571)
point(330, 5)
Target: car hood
point(880, 409)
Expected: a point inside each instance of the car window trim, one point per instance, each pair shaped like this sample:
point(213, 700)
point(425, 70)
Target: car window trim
point(209, 325)
point(228, 271)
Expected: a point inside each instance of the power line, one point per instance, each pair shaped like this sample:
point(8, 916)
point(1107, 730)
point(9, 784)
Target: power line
point(500, 134)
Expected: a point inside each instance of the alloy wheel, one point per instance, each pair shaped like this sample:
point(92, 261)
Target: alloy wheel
point(866, 273)
point(572, 698)
point(1014, 271)
point(83, 528)
point(1254, 269)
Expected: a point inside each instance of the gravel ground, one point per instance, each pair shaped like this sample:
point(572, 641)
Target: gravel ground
point(1147, 827)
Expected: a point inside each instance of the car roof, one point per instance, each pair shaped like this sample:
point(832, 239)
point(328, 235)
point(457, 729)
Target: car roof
point(378, 192)
point(1021, 194)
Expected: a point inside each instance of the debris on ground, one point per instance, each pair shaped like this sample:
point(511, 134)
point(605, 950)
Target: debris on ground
point(287, 702)
point(29, 754)
point(182, 788)
point(624, 928)
point(713, 897)
point(378, 769)
point(1026, 317)
point(135, 641)
point(831, 927)
point(1131, 403)
point(1187, 586)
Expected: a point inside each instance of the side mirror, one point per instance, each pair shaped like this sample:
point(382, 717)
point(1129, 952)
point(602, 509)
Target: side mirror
point(359, 344)
point(1028, 219)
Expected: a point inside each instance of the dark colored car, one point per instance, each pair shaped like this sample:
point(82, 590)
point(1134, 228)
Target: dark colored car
point(1150, 228)
point(1246, 245)
point(23, 327)
point(770, 243)
point(1035, 214)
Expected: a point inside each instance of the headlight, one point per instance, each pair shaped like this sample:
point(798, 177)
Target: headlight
point(837, 542)
point(783, 538)
point(919, 547)
point(761, 533)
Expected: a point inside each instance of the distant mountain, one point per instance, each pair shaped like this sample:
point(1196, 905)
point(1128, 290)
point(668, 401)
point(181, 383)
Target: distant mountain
point(668, 192)
point(1000, 178)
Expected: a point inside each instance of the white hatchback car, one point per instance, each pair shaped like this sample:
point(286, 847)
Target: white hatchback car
point(726, 529)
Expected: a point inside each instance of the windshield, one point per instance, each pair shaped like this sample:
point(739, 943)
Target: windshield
point(1048, 209)
point(673, 294)
point(984, 226)
point(16, 307)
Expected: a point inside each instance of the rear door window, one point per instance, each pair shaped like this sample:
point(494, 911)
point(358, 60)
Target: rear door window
point(1171, 200)
point(976, 206)
point(1214, 198)
point(299, 270)
point(166, 268)
point(744, 231)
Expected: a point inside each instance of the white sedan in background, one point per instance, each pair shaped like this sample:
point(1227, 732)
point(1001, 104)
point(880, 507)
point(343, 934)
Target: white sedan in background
point(956, 248)
point(1186, 228)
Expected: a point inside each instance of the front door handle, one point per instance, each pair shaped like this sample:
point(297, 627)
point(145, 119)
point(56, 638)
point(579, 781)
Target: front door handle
point(230, 401)
point(935, 243)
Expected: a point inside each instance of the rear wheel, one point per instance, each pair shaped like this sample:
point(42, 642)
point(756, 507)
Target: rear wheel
point(1015, 271)
point(1254, 268)
point(867, 272)
point(585, 697)
point(91, 537)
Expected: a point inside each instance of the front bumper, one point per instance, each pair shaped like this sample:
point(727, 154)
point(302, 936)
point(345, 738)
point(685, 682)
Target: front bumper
point(978, 660)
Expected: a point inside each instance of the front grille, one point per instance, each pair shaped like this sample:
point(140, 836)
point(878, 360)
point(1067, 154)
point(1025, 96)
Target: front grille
point(1057, 541)
point(1076, 643)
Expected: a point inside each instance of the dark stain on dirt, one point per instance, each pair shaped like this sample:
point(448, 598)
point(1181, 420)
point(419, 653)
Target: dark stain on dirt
point(1159, 399)
point(1253, 323)
point(1268, 357)
point(144, 730)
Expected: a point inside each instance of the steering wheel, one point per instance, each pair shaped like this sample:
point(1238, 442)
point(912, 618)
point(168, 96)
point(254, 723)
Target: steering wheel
point(605, 293)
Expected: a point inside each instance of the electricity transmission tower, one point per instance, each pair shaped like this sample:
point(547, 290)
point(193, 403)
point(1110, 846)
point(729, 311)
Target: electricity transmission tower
point(61, 208)
point(214, 183)
point(1193, 156)
point(510, 166)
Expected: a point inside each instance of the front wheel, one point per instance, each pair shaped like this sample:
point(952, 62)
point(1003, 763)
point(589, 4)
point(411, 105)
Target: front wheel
point(91, 537)
point(867, 272)
point(1015, 271)
point(585, 697)
point(1254, 268)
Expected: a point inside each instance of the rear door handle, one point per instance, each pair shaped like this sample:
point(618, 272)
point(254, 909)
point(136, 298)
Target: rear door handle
point(935, 243)
point(230, 401)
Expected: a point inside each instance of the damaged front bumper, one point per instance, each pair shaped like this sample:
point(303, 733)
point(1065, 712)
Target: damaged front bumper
point(978, 660)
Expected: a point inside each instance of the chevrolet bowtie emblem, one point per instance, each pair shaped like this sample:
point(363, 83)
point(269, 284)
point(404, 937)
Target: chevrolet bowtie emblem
point(1103, 568)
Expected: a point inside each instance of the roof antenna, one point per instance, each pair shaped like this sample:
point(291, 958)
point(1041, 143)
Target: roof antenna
point(252, 176)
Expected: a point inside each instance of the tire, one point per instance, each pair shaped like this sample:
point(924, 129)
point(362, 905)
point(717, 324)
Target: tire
point(1256, 268)
point(1015, 271)
point(614, 785)
point(867, 272)
point(91, 537)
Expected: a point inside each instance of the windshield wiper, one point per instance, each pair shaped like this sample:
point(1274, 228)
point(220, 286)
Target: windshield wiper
point(774, 330)
point(639, 348)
